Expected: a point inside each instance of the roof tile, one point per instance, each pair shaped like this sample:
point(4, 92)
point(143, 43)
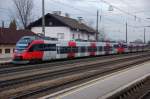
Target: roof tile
point(11, 36)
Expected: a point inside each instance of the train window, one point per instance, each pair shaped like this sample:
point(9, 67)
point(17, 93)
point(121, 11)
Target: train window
point(130, 47)
point(89, 49)
point(43, 47)
point(92, 49)
point(116, 46)
point(64, 50)
point(48, 47)
point(107, 48)
point(34, 48)
point(76, 49)
point(73, 49)
point(125, 46)
point(110, 49)
point(82, 49)
point(100, 48)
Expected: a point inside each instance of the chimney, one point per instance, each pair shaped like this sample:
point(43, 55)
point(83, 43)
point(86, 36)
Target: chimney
point(1, 29)
point(67, 15)
point(80, 19)
point(57, 13)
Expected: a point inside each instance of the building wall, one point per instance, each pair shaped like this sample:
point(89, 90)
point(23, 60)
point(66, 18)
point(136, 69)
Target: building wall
point(64, 33)
point(54, 32)
point(82, 35)
point(4, 51)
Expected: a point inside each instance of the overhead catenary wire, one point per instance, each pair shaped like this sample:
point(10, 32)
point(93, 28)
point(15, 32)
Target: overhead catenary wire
point(90, 14)
point(94, 14)
point(123, 11)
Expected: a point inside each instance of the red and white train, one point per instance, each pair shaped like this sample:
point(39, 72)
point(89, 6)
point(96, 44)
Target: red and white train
point(32, 48)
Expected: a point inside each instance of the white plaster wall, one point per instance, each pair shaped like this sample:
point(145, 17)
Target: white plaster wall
point(83, 35)
point(53, 31)
point(92, 37)
point(8, 55)
point(68, 33)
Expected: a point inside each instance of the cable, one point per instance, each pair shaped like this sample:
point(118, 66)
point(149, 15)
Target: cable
point(124, 2)
point(95, 14)
point(124, 11)
point(71, 6)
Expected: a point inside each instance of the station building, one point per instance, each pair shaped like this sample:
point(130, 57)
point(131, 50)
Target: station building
point(63, 28)
point(8, 40)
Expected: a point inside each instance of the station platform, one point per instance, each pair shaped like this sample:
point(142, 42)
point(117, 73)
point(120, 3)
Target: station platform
point(105, 86)
point(5, 60)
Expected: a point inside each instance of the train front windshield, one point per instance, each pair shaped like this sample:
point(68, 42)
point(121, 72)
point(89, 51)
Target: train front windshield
point(22, 45)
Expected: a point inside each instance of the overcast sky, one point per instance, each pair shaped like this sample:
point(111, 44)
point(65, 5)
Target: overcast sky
point(113, 22)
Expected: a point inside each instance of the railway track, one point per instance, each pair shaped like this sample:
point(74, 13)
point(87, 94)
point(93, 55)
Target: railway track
point(7, 68)
point(13, 84)
point(61, 68)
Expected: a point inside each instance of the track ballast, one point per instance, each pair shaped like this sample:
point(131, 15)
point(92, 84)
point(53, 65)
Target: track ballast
point(36, 82)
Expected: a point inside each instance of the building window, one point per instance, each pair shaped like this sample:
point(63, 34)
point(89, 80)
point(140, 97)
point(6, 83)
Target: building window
point(0, 51)
point(7, 51)
point(60, 35)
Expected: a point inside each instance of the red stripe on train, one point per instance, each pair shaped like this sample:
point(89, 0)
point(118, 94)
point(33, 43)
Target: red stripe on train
point(93, 53)
point(71, 44)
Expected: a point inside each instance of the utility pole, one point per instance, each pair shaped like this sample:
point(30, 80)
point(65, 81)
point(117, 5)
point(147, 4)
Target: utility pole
point(43, 17)
point(3, 24)
point(97, 25)
point(126, 32)
point(144, 36)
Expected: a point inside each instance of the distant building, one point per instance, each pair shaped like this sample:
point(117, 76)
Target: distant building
point(63, 28)
point(8, 40)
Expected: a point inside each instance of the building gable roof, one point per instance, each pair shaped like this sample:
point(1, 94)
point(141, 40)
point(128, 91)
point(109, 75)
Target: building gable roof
point(72, 23)
point(11, 36)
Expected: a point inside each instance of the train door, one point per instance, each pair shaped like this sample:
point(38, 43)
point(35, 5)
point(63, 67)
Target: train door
point(130, 48)
point(49, 51)
point(92, 49)
point(72, 49)
point(107, 48)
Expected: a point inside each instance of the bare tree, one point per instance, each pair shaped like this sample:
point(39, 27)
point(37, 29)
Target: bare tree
point(23, 11)
point(13, 25)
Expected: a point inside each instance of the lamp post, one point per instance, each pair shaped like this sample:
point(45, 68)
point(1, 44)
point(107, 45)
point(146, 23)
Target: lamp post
point(97, 25)
point(43, 17)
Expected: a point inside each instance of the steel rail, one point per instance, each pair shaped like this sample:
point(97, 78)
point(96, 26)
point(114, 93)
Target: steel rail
point(81, 73)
